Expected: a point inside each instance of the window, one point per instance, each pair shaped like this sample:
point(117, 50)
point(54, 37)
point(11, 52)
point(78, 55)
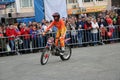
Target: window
point(11, 5)
point(26, 3)
point(88, 0)
point(72, 1)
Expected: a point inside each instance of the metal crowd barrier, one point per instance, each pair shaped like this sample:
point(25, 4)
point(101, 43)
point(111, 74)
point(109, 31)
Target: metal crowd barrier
point(32, 43)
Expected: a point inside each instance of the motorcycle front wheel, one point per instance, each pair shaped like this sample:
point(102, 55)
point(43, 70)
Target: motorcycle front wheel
point(45, 56)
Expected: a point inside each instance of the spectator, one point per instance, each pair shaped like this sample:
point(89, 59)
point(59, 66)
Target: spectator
point(111, 29)
point(2, 40)
point(118, 23)
point(88, 27)
point(94, 31)
point(17, 29)
point(40, 37)
point(103, 31)
point(68, 31)
point(80, 36)
point(11, 34)
point(25, 32)
point(44, 27)
point(115, 25)
point(71, 22)
point(103, 22)
point(110, 25)
point(1, 31)
point(34, 34)
point(74, 35)
point(109, 20)
point(82, 23)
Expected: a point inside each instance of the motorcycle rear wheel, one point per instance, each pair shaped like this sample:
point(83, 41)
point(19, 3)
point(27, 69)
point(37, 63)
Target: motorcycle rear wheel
point(67, 54)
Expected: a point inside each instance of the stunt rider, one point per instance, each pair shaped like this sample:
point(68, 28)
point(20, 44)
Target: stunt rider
point(61, 30)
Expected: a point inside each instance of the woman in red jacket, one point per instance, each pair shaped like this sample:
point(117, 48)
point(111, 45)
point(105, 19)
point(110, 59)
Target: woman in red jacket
point(11, 34)
point(25, 32)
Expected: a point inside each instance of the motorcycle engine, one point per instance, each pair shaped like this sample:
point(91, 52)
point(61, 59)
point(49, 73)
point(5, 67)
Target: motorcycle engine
point(54, 51)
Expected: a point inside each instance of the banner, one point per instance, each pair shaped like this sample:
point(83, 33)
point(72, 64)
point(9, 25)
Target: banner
point(96, 9)
point(39, 10)
point(86, 9)
point(52, 6)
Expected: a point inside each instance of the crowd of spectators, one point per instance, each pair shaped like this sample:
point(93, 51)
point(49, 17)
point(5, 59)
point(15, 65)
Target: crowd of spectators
point(83, 28)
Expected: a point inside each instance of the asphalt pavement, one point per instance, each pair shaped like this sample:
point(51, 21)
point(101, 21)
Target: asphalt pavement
point(86, 63)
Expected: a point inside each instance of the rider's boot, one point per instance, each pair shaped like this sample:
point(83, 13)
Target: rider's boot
point(62, 50)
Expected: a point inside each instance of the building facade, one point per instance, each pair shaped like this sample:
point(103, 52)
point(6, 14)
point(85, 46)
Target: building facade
point(116, 3)
point(19, 9)
point(25, 8)
point(87, 6)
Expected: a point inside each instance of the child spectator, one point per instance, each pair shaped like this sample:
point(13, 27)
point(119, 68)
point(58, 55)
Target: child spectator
point(103, 31)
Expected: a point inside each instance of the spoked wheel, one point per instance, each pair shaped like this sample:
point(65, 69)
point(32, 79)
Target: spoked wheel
point(67, 53)
point(45, 56)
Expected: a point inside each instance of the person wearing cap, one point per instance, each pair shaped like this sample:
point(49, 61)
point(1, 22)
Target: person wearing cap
point(80, 28)
point(61, 30)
